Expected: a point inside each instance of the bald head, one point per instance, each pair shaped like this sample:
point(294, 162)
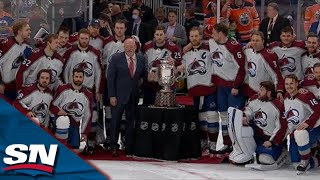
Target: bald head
point(115, 9)
point(130, 46)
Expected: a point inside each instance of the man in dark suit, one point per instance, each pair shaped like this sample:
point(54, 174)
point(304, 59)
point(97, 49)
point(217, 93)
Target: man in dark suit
point(159, 20)
point(272, 25)
point(125, 72)
point(137, 27)
point(315, 28)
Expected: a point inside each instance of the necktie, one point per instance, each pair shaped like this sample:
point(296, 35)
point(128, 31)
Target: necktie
point(270, 25)
point(135, 29)
point(131, 67)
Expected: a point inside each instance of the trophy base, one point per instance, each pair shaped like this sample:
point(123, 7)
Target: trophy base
point(165, 99)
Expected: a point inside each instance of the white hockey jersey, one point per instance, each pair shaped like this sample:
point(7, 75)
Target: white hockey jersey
point(111, 46)
point(289, 58)
point(261, 66)
point(89, 61)
point(32, 99)
point(154, 54)
point(199, 71)
point(308, 61)
point(268, 117)
point(228, 63)
point(11, 57)
point(96, 42)
point(303, 107)
point(28, 71)
point(77, 103)
point(311, 84)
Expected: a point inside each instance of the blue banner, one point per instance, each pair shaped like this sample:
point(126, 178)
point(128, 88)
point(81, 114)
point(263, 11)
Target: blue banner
point(29, 152)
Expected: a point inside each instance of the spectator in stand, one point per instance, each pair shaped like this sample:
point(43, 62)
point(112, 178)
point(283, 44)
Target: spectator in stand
point(159, 20)
point(147, 14)
point(175, 32)
point(126, 11)
point(36, 22)
point(2, 12)
point(137, 27)
point(191, 21)
point(272, 25)
point(116, 13)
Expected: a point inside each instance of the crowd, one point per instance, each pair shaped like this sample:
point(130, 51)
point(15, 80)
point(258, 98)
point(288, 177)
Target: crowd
point(65, 80)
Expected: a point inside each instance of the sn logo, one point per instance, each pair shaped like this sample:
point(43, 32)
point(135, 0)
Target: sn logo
point(18, 157)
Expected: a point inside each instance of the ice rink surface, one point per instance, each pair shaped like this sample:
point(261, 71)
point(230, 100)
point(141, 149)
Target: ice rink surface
point(187, 171)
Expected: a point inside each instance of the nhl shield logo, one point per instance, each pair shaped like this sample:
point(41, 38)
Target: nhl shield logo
point(74, 108)
point(155, 127)
point(260, 118)
point(292, 116)
point(174, 127)
point(144, 125)
point(252, 69)
point(87, 68)
point(287, 63)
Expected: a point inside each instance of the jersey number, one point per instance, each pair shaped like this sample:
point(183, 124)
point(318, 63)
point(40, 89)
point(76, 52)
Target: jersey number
point(313, 102)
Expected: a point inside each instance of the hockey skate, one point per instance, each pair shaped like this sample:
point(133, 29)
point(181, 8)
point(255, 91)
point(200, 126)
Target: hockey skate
point(303, 166)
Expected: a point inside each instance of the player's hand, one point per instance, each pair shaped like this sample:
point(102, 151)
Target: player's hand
point(173, 39)
point(234, 92)
point(30, 114)
point(280, 96)
point(181, 68)
point(113, 101)
point(186, 48)
point(62, 113)
point(267, 144)
point(152, 76)
point(171, 61)
point(245, 121)
point(98, 96)
point(302, 126)
point(249, 45)
point(2, 88)
point(83, 137)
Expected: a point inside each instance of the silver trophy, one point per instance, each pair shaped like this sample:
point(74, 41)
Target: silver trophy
point(166, 77)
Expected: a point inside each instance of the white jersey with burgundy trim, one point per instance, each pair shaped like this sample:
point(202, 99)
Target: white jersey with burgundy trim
point(111, 46)
point(89, 61)
point(310, 83)
point(155, 54)
point(308, 61)
point(268, 116)
point(289, 58)
point(34, 100)
point(11, 57)
point(76, 103)
point(303, 107)
point(199, 70)
point(38, 60)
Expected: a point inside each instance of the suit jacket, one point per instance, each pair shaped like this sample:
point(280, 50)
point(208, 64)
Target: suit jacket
point(120, 84)
point(143, 33)
point(179, 33)
point(280, 23)
point(314, 27)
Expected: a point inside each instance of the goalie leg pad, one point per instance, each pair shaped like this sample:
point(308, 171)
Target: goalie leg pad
point(74, 137)
point(268, 155)
point(203, 123)
point(62, 127)
point(241, 136)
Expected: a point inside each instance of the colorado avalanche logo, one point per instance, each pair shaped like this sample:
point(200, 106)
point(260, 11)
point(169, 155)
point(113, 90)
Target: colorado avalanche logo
point(54, 74)
point(217, 58)
point(197, 66)
point(252, 69)
point(292, 116)
point(74, 108)
point(244, 19)
point(17, 62)
point(40, 110)
point(260, 118)
point(287, 64)
point(87, 68)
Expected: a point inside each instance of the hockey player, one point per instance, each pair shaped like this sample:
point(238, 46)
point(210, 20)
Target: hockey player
point(302, 114)
point(311, 15)
point(197, 64)
point(261, 66)
point(13, 51)
point(246, 17)
point(310, 58)
point(34, 101)
point(289, 52)
point(312, 81)
point(229, 73)
point(155, 51)
point(45, 58)
point(114, 44)
point(86, 57)
point(63, 37)
point(265, 114)
point(72, 105)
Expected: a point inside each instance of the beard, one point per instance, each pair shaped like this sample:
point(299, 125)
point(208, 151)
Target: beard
point(83, 44)
point(43, 84)
point(195, 43)
point(263, 97)
point(78, 83)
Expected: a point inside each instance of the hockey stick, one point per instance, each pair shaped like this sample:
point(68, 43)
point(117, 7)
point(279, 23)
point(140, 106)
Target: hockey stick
point(263, 167)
